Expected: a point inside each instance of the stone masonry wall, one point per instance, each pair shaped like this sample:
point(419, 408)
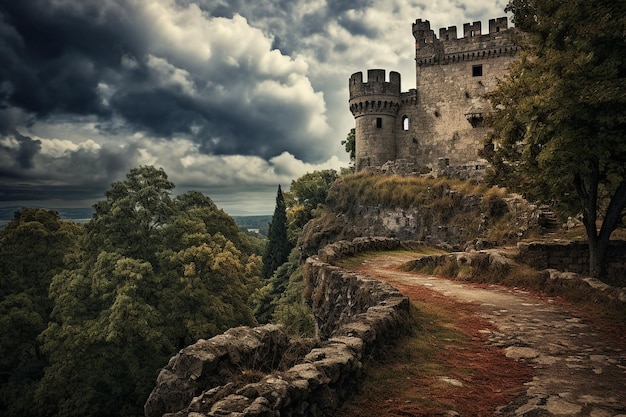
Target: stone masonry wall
point(569, 256)
point(449, 90)
point(354, 314)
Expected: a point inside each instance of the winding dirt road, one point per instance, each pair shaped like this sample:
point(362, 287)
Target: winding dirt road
point(578, 369)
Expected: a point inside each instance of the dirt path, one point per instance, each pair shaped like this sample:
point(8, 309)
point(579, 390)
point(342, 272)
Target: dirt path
point(579, 370)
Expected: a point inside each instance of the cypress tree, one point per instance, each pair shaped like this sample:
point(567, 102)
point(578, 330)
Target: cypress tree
point(278, 247)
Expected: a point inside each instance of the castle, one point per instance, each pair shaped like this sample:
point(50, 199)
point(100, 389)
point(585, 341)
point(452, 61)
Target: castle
point(436, 127)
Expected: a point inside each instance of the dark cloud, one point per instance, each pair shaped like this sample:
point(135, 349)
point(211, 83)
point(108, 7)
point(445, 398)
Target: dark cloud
point(70, 171)
point(18, 153)
point(62, 57)
point(59, 52)
point(26, 150)
point(357, 27)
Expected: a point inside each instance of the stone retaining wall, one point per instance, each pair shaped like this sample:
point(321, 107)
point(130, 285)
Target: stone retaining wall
point(568, 256)
point(354, 314)
point(491, 262)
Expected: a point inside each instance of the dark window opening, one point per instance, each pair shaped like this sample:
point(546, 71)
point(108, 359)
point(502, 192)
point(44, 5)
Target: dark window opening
point(379, 122)
point(405, 123)
point(477, 70)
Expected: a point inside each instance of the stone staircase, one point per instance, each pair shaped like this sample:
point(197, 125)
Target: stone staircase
point(547, 219)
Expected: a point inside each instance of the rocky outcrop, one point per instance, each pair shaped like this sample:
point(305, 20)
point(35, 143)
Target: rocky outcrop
point(448, 218)
point(260, 372)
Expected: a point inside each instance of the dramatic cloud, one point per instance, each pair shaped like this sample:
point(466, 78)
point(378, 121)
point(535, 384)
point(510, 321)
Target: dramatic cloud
point(234, 95)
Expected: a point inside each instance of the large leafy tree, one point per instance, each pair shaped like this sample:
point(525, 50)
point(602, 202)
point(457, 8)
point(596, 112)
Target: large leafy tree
point(130, 218)
point(156, 273)
point(32, 248)
point(560, 119)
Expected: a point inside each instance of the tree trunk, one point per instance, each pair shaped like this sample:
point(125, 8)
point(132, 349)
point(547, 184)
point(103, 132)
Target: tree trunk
point(599, 242)
point(588, 195)
point(613, 217)
point(597, 252)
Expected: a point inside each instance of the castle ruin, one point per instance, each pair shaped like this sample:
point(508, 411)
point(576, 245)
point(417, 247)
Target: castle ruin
point(436, 127)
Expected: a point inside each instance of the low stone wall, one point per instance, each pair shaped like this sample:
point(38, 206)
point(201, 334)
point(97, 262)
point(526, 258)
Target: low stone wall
point(568, 256)
point(354, 314)
point(491, 262)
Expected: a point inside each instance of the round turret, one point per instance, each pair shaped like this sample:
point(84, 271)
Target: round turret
point(374, 105)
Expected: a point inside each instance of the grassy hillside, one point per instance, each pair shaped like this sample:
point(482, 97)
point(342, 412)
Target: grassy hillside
point(438, 211)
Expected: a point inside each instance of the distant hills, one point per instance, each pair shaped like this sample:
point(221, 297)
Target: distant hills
point(258, 224)
point(76, 214)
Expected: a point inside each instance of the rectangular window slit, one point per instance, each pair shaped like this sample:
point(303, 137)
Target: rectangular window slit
point(477, 70)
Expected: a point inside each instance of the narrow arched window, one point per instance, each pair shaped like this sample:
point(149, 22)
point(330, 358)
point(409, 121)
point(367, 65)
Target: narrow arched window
point(405, 123)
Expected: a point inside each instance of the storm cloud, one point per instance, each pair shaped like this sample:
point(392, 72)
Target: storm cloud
point(208, 89)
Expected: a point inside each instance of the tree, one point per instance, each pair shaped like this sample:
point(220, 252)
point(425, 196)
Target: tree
point(155, 274)
point(128, 221)
point(304, 196)
point(32, 248)
point(560, 118)
point(278, 247)
point(350, 144)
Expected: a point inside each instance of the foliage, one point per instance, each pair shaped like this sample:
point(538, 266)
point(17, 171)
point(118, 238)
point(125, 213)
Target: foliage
point(305, 195)
point(350, 144)
point(278, 246)
point(561, 114)
point(32, 247)
point(146, 276)
point(129, 219)
point(266, 298)
point(280, 300)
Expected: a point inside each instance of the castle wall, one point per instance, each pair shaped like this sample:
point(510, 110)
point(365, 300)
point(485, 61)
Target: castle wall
point(452, 76)
point(446, 109)
point(407, 132)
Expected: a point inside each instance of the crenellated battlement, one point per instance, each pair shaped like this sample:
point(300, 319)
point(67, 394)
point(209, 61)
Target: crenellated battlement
point(376, 96)
point(430, 50)
point(471, 30)
point(423, 34)
point(376, 84)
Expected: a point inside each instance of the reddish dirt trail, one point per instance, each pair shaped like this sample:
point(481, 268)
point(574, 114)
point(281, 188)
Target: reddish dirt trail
point(523, 355)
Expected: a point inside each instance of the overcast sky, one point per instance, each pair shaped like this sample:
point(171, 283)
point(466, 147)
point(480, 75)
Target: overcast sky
point(230, 97)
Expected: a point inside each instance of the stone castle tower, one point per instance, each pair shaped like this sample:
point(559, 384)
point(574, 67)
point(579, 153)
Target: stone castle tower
point(436, 127)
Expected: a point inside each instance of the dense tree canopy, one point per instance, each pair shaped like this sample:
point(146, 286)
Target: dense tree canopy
point(560, 119)
point(150, 274)
point(32, 248)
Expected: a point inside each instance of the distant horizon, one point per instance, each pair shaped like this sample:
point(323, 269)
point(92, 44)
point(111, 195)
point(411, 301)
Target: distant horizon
point(7, 212)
